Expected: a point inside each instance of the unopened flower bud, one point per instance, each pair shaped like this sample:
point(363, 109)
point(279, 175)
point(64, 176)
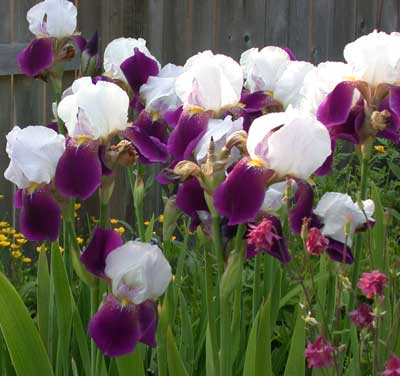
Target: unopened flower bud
point(316, 242)
point(123, 154)
point(90, 57)
point(380, 120)
point(171, 214)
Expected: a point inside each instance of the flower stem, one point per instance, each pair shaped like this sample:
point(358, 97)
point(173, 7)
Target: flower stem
point(218, 246)
point(256, 286)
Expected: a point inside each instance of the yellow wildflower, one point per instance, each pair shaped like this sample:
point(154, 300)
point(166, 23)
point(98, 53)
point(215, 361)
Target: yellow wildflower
point(15, 246)
point(120, 229)
point(379, 148)
point(41, 248)
point(114, 221)
point(4, 224)
point(3, 238)
point(79, 240)
point(161, 218)
point(21, 241)
point(173, 237)
point(2, 197)
point(61, 249)
point(16, 254)
point(146, 223)
point(18, 235)
point(77, 206)
point(4, 243)
point(27, 260)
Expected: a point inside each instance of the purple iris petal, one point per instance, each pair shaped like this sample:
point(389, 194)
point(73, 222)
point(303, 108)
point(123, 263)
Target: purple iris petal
point(18, 198)
point(40, 216)
point(94, 256)
point(190, 199)
point(255, 101)
point(79, 170)
point(278, 248)
point(91, 46)
point(187, 133)
point(239, 112)
point(338, 252)
point(147, 320)
point(172, 117)
point(138, 68)
point(96, 79)
point(53, 125)
point(336, 107)
point(162, 177)
point(117, 328)
point(327, 166)
point(241, 195)
point(149, 138)
point(302, 209)
point(114, 328)
point(80, 41)
point(291, 54)
point(105, 170)
point(390, 103)
point(37, 57)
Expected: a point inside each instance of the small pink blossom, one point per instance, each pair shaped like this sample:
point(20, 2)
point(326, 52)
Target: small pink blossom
point(319, 354)
point(263, 235)
point(373, 283)
point(316, 242)
point(362, 317)
point(392, 367)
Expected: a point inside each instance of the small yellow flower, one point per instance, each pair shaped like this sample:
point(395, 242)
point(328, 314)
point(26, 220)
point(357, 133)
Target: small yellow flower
point(94, 219)
point(114, 221)
point(2, 197)
point(27, 260)
point(161, 218)
point(79, 240)
point(21, 241)
point(173, 237)
point(4, 224)
point(379, 148)
point(77, 206)
point(61, 249)
point(11, 231)
point(18, 235)
point(3, 238)
point(15, 246)
point(16, 254)
point(4, 243)
point(120, 229)
point(146, 223)
point(41, 248)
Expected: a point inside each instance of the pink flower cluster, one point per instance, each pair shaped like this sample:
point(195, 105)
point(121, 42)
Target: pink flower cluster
point(319, 354)
point(392, 367)
point(372, 284)
point(362, 317)
point(262, 236)
point(316, 242)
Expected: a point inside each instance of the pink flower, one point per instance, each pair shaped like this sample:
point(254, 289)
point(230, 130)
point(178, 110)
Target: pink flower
point(373, 283)
point(319, 354)
point(316, 242)
point(392, 367)
point(362, 317)
point(263, 235)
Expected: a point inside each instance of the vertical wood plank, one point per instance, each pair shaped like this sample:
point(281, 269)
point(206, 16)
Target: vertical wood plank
point(299, 28)
point(154, 32)
point(366, 16)
point(390, 16)
point(276, 30)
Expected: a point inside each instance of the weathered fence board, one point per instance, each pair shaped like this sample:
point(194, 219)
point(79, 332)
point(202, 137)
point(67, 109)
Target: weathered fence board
point(315, 30)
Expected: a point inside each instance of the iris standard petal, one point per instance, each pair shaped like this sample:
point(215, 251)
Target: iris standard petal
point(303, 206)
point(337, 251)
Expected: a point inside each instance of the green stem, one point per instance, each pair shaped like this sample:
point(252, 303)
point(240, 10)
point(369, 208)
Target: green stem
point(56, 83)
point(103, 214)
point(211, 314)
point(218, 246)
point(138, 203)
point(256, 286)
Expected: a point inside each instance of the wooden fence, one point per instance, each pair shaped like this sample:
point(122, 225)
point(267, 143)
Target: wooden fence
point(316, 30)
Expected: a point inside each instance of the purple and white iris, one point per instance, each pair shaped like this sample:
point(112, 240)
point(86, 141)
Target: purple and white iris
point(93, 114)
point(34, 153)
point(129, 60)
point(286, 144)
point(139, 273)
point(49, 21)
